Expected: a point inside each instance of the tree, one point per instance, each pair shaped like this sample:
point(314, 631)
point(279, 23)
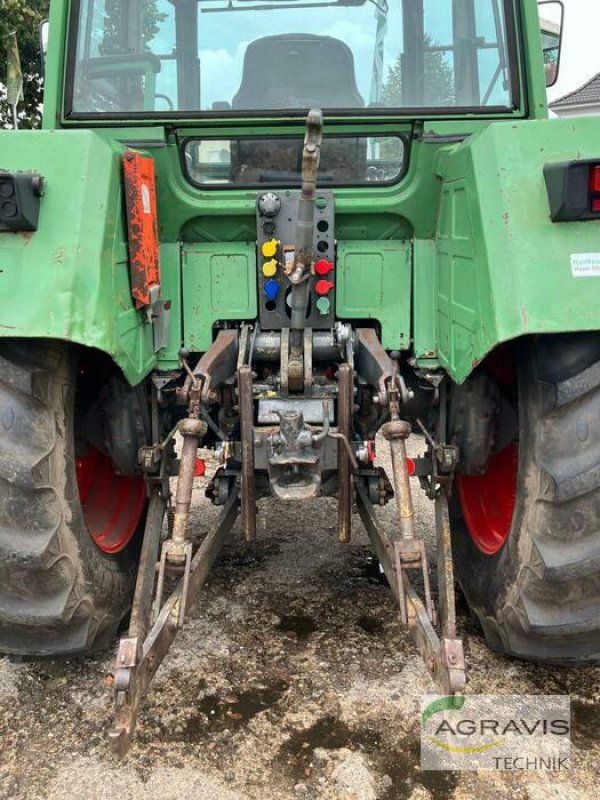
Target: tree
point(438, 81)
point(25, 19)
point(151, 19)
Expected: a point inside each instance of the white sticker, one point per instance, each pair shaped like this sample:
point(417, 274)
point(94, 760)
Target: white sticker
point(146, 199)
point(288, 257)
point(585, 265)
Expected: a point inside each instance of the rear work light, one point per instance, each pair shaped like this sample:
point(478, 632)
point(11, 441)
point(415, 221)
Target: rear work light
point(20, 194)
point(573, 190)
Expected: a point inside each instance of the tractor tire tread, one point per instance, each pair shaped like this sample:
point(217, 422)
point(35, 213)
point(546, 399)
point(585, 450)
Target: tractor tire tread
point(539, 598)
point(58, 594)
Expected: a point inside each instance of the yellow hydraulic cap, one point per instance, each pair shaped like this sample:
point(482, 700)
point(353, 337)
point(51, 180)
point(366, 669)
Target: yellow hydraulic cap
point(269, 268)
point(270, 248)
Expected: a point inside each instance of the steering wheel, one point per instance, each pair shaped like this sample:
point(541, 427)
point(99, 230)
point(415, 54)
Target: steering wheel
point(167, 99)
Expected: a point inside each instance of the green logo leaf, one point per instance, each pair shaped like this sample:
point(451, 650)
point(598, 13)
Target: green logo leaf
point(453, 702)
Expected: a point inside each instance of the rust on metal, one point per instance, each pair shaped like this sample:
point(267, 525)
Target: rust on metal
point(443, 655)
point(138, 662)
point(177, 549)
point(308, 361)
point(410, 554)
point(396, 429)
point(284, 363)
point(192, 431)
point(372, 363)
point(139, 622)
point(401, 479)
point(408, 548)
point(345, 385)
point(217, 365)
point(248, 488)
point(445, 568)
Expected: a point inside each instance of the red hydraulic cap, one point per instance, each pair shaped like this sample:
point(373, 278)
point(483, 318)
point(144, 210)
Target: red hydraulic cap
point(323, 287)
point(199, 468)
point(323, 267)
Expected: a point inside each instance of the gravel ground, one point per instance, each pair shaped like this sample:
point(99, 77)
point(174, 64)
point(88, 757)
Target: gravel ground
point(292, 679)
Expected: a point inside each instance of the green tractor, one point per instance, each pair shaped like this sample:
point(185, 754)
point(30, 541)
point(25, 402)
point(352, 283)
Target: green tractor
point(274, 228)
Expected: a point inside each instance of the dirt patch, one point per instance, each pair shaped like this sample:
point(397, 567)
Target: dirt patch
point(292, 679)
point(400, 766)
point(216, 712)
point(297, 625)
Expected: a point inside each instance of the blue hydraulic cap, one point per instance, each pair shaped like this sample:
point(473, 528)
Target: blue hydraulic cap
point(271, 288)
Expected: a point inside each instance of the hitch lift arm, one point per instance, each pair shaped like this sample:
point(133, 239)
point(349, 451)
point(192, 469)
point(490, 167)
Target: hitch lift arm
point(139, 656)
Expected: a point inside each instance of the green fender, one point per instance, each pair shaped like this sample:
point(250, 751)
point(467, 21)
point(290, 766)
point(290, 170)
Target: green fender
point(499, 268)
point(70, 278)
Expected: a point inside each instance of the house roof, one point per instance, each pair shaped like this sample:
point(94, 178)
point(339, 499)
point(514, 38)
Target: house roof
point(588, 94)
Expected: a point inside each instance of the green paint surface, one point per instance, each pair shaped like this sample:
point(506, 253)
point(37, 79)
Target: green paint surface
point(373, 282)
point(70, 278)
point(219, 283)
point(457, 257)
point(502, 268)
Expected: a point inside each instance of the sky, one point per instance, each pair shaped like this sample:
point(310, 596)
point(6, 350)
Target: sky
point(224, 37)
point(580, 54)
point(580, 57)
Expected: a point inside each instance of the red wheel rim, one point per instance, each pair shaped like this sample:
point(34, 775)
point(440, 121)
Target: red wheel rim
point(112, 504)
point(488, 500)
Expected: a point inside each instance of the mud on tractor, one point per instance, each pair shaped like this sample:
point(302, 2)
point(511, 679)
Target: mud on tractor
point(274, 228)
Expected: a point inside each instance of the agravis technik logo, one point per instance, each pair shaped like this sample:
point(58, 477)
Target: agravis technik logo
point(497, 732)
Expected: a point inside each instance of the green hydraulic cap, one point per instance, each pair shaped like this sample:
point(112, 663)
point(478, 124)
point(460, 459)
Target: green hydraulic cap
point(323, 305)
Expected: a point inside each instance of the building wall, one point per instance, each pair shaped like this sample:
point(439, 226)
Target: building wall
point(577, 111)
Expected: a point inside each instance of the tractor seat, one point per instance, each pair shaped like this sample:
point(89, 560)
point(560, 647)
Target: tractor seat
point(297, 70)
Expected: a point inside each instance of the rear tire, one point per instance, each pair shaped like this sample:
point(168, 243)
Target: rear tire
point(538, 595)
point(59, 594)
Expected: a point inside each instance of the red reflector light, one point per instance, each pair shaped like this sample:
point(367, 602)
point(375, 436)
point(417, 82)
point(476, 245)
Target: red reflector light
point(595, 179)
point(411, 466)
point(199, 468)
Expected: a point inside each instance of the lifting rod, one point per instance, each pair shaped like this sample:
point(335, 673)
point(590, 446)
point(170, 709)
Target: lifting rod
point(443, 654)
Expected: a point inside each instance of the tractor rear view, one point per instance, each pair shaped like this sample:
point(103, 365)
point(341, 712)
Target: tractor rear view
point(274, 230)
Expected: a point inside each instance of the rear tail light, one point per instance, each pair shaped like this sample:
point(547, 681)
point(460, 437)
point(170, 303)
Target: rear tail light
point(594, 184)
point(595, 179)
point(20, 194)
point(573, 190)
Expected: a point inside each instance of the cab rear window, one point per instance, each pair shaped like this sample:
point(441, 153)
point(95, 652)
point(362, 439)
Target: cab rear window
point(277, 161)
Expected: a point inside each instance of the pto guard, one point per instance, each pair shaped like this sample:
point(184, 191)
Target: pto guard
point(501, 267)
point(70, 278)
